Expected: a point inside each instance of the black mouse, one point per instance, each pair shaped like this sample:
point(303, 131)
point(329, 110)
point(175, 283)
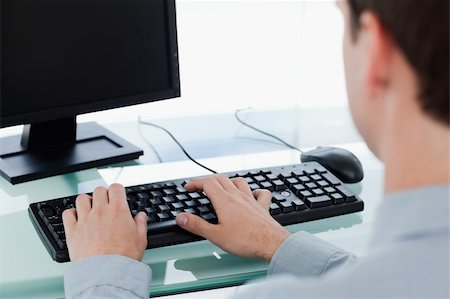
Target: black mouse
point(342, 163)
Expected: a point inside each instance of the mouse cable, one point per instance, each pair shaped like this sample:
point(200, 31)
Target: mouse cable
point(177, 142)
point(236, 115)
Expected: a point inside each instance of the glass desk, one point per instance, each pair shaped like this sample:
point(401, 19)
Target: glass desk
point(27, 271)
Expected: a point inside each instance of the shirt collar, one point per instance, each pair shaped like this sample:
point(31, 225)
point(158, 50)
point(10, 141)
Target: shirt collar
point(411, 214)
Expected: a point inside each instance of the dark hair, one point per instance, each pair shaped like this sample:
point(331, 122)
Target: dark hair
point(420, 28)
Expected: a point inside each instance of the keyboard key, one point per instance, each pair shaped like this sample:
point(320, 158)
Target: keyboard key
point(141, 196)
point(155, 201)
point(298, 188)
point(204, 201)
point(168, 191)
point(149, 211)
point(254, 186)
point(304, 179)
point(176, 206)
point(203, 210)
point(190, 204)
point(61, 244)
point(194, 195)
point(317, 191)
point(316, 177)
point(271, 177)
point(318, 201)
point(168, 199)
point(309, 170)
point(322, 183)
point(164, 226)
point(284, 176)
point(286, 207)
point(278, 185)
point(274, 209)
point(278, 197)
point(68, 202)
point(304, 194)
point(349, 195)
point(291, 182)
point(190, 211)
point(267, 185)
point(311, 185)
point(249, 180)
point(47, 211)
point(181, 197)
point(163, 208)
point(209, 217)
point(298, 205)
point(156, 194)
point(162, 217)
point(260, 178)
point(337, 198)
point(331, 178)
point(329, 189)
point(320, 169)
point(174, 214)
point(181, 190)
point(298, 173)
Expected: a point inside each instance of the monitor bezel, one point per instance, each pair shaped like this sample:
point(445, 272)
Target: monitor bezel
point(112, 103)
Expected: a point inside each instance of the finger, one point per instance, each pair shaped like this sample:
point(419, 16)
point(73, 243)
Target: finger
point(196, 225)
point(242, 185)
point(263, 197)
point(117, 196)
point(69, 218)
point(226, 183)
point(84, 205)
point(209, 185)
point(141, 223)
point(99, 198)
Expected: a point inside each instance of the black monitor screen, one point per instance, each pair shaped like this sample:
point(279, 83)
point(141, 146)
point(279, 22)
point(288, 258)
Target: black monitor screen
point(84, 55)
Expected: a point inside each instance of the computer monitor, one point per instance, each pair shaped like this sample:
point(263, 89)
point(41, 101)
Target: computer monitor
point(62, 58)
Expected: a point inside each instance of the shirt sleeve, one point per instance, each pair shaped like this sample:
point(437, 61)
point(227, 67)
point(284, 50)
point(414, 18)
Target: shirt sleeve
point(305, 255)
point(110, 276)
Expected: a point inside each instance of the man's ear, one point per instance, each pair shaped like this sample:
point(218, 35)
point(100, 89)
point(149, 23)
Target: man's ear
point(378, 48)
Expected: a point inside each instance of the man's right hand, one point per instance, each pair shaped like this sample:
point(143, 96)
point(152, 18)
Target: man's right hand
point(245, 226)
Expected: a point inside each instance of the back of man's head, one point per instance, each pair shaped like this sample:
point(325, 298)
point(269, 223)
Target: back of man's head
point(420, 28)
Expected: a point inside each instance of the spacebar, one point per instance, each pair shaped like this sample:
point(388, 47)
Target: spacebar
point(162, 227)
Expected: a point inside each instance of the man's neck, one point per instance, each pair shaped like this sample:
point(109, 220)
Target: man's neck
point(417, 155)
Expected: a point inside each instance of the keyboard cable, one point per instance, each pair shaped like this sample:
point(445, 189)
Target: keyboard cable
point(177, 142)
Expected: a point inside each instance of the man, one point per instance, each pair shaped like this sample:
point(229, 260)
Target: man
point(396, 61)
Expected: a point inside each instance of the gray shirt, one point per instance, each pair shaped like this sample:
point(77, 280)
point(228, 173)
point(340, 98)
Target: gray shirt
point(408, 258)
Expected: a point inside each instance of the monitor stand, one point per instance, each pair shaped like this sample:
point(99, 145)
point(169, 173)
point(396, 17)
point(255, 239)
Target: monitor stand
point(61, 146)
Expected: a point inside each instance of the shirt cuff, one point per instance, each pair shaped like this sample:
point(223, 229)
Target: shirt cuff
point(303, 254)
point(108, 271)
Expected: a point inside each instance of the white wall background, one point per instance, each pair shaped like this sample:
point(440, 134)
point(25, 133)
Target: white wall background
point(260, 53)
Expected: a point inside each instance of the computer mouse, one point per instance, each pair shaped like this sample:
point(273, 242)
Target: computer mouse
point(342, 163)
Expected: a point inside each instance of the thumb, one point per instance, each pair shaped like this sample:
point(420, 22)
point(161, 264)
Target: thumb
point(141, 222)
point(195, 225)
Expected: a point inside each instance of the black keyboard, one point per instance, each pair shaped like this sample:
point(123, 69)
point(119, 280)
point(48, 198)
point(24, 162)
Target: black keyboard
point(301, 193)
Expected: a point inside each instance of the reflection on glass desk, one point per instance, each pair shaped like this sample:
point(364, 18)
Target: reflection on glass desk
point(219, 268)
point(27, 271)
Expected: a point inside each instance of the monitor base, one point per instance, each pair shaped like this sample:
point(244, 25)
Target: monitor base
point(95, 146)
